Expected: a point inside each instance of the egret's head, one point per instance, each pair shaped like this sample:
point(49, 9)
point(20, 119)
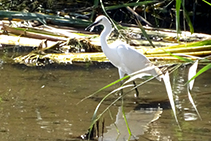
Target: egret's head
point(100, 20)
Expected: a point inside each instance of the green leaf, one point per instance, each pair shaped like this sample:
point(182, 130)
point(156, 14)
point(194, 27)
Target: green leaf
point(124, 116)
point(206, 2)
point(207, 67)
point(109, 85)
point(179, 57)
point(189, 22)
point(144, 32)
point(96, 3)
point(178, 5)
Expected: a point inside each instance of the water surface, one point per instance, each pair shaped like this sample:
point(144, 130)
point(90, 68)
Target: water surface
point(40, 103)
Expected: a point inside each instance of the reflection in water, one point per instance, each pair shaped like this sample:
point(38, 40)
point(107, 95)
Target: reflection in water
point(38, 115)
point(179, 88)
point(192, 127)
point(137, 121)
point(190, 116)
point(40, 104)
point(50, 126)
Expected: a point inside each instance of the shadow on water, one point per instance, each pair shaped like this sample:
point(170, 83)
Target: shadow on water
point(40, 104)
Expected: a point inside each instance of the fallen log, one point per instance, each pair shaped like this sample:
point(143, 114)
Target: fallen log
point(23, 41)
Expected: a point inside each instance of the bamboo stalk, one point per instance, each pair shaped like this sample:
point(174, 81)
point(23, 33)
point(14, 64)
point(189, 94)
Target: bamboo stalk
point(178, 50)
point(33, 34)
point(188, 45)
point(197, 53)
point(32, 59)
point(22, 41)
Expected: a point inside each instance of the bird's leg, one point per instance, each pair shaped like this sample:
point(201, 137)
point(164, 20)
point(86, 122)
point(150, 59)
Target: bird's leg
point(137, 93)
point(121, 75)
point(121, 91)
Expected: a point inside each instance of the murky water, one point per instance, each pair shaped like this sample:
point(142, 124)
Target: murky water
point(41, 104)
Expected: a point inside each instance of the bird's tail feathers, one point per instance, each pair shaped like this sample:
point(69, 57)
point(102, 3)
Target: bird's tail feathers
point(149, 70)
point(155, 71)
point(158, 73)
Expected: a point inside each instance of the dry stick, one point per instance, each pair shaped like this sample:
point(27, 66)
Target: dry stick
point(115, 26)
point(140, 25)
point(138, 16)
point(33, 34)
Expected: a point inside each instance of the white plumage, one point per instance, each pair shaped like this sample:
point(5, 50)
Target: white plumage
point(125, 58)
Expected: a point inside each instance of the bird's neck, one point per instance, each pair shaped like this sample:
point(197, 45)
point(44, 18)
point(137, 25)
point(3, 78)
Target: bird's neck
point(104, 36)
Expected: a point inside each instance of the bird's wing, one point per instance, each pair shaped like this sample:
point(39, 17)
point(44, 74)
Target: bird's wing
point(131, 59)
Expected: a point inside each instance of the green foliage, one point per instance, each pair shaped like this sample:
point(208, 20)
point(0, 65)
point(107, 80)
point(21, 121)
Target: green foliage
point(189, 21)
point(180, 58)
point(205, 68)
point(178, 5)
point(128, 4)
point(124, 116)
point(206, 2)
point(157, 12)
point(144, 33)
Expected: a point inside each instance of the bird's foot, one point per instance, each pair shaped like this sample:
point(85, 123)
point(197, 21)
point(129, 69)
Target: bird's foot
point(136, 95)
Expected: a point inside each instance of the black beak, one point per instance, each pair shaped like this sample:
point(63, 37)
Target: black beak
point(93, 24)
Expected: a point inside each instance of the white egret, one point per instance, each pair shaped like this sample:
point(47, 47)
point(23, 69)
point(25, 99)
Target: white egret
point(125, 58)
